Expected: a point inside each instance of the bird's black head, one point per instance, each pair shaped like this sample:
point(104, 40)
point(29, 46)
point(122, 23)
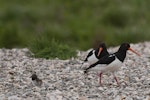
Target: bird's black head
point(121, 53)
point(124, 47)
point(34, 77)
point(102, 45)
point(102, 50)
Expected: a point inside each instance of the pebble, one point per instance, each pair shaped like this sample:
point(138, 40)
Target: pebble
point(65, 80)
point(14, 98)
point(2, 97)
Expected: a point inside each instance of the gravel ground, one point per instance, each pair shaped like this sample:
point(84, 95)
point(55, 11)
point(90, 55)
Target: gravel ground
point(65, 80)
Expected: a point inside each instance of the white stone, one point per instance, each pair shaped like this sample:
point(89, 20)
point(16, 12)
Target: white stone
point(14, 98)
point(2, 97)
point(50, 97)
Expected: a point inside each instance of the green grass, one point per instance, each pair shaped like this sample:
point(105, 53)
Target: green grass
point(49, 49)
point(73, 24)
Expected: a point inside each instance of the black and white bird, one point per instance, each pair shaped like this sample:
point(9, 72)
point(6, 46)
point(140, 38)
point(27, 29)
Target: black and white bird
point(35, 80)
point(111, 62)
point(95, 54)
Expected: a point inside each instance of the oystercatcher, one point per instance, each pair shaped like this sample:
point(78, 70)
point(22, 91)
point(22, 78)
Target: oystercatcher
point(36, 81)
point(111, 62)
point(95, 54)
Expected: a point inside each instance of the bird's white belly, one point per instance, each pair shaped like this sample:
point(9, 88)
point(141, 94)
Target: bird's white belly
point(92, 59)
point(114, 66)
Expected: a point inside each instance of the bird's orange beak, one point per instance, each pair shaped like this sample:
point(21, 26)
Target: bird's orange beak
point(134, 51)
point(100, 50)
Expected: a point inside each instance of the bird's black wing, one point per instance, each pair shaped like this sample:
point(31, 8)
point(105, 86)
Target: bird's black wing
point(104, 60)
point(89, 54)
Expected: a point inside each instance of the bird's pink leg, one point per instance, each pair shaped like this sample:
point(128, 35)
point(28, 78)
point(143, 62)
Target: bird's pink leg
point(116, 79)
point(100, 78)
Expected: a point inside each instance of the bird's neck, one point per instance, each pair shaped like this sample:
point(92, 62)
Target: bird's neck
point(121, 55)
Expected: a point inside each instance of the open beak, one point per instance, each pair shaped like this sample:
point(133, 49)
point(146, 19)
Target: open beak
point(134, 51)
point(100, 50)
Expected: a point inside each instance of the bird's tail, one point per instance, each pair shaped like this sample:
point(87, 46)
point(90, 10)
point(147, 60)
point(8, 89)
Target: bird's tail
point(86, 71)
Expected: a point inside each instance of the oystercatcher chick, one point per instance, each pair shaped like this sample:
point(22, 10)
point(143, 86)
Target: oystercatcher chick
point(36, 81)
point(95, 54)
point(111, 62)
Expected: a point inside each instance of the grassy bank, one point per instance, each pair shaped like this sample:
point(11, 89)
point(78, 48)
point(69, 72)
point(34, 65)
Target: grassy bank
point(75, 24)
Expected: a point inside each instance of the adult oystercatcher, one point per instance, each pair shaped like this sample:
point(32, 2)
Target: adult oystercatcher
point(95, 54)
point(111, 62)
